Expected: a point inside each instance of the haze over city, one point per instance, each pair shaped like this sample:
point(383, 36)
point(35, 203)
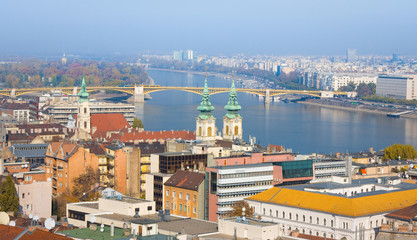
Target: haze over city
point(298, 27)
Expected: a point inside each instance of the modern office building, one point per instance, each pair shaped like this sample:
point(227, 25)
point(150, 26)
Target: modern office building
point(169, 163)
point(339, 209)
point(61, 112)
point(350, 55)
point(324, 169)
point(230, 184)
point(397, 86)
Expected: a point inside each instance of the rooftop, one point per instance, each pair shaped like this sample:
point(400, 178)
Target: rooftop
point(358, 205)
point(186, 180)
point(406, 214)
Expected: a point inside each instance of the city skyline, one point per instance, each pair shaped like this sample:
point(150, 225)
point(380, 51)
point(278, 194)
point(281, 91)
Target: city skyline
point(269, 27)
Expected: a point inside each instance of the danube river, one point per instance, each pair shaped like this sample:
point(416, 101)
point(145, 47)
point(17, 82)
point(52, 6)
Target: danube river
point(302, 128)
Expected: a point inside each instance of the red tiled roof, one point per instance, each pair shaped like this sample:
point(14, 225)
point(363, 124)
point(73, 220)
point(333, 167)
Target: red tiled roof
point(186, 180)
point(157, 135)
point(9, 232)
point(406, 214)
point(108, 121)
point(42, 235)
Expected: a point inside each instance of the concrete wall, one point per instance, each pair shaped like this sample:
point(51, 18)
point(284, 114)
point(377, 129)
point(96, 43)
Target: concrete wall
point(36, 198)
point(125, 207)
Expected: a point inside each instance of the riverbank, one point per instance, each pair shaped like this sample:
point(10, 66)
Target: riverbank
point(327, 103)
point(245, 81)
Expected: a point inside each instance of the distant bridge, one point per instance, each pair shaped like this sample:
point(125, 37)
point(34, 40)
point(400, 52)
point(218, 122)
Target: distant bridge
point(139, 91)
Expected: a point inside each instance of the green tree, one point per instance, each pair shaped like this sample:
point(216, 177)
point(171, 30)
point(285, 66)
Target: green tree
point(9, 201)
point(85, 182)
point(137, 123)
point(349, 88)
point(237, 209)
point(400, 151)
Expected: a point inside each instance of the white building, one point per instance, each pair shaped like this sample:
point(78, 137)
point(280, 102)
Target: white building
point(324, 169)
point(399, 87)
point(62, 111)
point(231, 184)
point(335, 209)
point(339, 81)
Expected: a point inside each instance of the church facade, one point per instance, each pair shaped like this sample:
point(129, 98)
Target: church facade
point(206, 129)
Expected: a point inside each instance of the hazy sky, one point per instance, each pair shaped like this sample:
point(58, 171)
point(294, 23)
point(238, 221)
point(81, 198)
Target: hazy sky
point(305, 27)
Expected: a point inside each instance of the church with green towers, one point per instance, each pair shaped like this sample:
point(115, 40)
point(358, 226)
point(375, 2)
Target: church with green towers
point(206, 129)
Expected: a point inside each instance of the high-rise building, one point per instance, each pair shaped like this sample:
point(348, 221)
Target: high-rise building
point(399, 87)
point(350, 55)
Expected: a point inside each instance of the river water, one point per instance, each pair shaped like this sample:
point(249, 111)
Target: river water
point(302, 128)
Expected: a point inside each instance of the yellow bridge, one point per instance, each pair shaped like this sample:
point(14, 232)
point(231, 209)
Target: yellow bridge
point(139, 91)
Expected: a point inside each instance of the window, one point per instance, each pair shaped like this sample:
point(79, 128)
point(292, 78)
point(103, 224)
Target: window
point(194, 198)
point(180, 195)
point(167, 205)
point(185, 208)
point(318, 221)
point(283, 214)
point(304, 218)
point(324, 222)
point(194, 210)
point(276, 213)
point(331, 223)
point(187, 197)
point(270, 212)
point(167, 193)
point(23, 195)
point(180, 207)
point(149, 208)
point(173, 194)
point(311, 219)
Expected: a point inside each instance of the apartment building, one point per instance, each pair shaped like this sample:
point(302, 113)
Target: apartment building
point(184, 194)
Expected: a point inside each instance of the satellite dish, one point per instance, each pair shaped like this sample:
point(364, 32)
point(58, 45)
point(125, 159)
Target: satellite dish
point(36, 218)
point(92, 219)
point(4, 218)
point(49, 223)
point(12, 223)
point(30, 216)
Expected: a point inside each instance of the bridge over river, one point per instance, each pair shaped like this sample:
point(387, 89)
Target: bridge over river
point(139, 92)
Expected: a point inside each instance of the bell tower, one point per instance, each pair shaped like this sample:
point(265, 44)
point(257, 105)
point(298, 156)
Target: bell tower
point(83, 116)
point(205, 122)
point(232, 121)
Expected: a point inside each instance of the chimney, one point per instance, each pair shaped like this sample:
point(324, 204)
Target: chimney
point(349, 169)
point(1, 166)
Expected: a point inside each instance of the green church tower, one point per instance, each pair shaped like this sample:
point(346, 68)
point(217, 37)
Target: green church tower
point(232, 121)
point(205, 122)
point(83, 95)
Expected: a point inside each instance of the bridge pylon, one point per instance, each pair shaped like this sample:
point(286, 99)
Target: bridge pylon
point(138, 95)
point(13, 93)
point(267, 96)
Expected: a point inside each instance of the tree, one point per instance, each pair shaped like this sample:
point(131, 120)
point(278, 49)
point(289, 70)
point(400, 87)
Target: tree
point(137, 123)
point(84, 182)
point(9, 201)
point(237, 209)
point(349, 88)
point(400, 151)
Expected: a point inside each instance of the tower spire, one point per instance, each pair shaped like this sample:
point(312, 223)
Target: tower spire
point(205, 107)
point(232, 106)
point(83, 95)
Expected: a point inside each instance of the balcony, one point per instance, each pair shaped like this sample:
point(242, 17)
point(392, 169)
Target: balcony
point(110, 164)
point(54, 176)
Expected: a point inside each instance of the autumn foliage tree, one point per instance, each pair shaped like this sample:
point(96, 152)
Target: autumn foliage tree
point(237, 209)
point(85, 182)
point(400, 151)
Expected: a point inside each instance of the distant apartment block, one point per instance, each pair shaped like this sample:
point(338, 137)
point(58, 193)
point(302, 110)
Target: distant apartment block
point(342, 80)
point(399, 87)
